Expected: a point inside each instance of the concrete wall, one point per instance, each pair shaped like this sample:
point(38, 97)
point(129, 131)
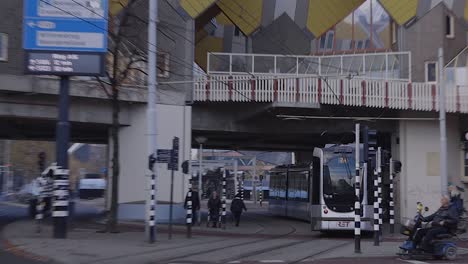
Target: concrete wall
point(171, 121)
point(426, 35)
point(419, 150)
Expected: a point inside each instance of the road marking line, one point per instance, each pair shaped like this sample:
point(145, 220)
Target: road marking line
point(272, 261)
point(415, 262)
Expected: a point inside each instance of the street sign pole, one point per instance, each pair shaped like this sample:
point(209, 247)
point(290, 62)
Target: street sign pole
point(170, 205)
point(151, 108)
point(62, 142)
point(59, 40)
point(173, 165)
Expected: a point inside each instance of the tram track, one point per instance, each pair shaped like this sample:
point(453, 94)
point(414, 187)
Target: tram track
point(280, 236)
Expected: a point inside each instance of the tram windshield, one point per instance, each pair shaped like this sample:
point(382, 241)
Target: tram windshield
point(338, 179)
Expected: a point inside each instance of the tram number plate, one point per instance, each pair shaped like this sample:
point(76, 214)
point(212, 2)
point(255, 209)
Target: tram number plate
point(343, 224)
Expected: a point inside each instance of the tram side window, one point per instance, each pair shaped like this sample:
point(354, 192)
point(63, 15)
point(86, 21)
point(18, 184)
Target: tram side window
point(292, 186)
point(282, 186)
point(298, 186)
point(274, 192)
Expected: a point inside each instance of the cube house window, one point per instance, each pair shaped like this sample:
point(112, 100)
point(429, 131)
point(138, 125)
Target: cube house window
point(431, 72)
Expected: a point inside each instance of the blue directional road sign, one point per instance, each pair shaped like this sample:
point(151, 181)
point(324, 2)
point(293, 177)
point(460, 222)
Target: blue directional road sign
point(163, 155)
point(65, 25)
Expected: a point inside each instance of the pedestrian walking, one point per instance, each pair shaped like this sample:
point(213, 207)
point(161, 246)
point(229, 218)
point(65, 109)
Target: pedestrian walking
point(214, 204)
point(237, 206)
point(195, 205)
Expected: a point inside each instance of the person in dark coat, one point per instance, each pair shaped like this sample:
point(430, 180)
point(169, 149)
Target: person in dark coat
point(443, 221)
point(237, 206)
point(214, 204)
point(195, 205)
point(455, 198)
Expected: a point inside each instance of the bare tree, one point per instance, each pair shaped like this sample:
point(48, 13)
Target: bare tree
point(123, 60)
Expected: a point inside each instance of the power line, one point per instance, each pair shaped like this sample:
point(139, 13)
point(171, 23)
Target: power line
point(183, 62)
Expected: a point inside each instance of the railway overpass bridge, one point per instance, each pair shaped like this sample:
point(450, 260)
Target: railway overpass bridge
point(256, 102)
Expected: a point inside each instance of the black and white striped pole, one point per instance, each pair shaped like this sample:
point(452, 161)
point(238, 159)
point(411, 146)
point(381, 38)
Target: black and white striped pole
point(60, 202)
point(40, 203)
point(357, 204)
point(189, 217)
point(376, 209)
point(223, 213)
point(242, 187)
point(379, 175)
point(391, 204)
point(152, 201)
point(261, 190)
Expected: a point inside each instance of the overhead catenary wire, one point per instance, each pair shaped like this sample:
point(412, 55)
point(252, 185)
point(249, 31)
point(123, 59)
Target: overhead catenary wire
point(192, 68)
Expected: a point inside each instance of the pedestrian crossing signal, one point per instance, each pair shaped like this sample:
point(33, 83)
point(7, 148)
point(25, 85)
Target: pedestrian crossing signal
point(185, 167)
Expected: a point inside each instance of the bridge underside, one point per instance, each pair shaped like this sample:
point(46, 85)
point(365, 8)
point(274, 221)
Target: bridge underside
point(43, 129)
point(282, 127)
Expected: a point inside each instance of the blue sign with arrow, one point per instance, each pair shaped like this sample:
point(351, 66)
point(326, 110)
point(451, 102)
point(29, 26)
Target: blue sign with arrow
point(65, 25)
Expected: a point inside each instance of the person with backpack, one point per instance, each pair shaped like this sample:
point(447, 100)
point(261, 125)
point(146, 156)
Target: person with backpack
point(236, 208)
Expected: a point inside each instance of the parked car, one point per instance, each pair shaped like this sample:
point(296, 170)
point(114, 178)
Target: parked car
point(91, 186)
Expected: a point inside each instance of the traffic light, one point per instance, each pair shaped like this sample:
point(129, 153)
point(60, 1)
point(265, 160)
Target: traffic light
point(369, 140)
point(396, 166)
point(185, 167)
point(151, 161)
point(42, 161)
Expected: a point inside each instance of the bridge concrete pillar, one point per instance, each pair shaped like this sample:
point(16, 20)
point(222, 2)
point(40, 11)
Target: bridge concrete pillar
point(419, 151)
point(172, 121)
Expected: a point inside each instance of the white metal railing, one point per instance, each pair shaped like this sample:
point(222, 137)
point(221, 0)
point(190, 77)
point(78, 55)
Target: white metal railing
point(383, 65)
point(333, 91)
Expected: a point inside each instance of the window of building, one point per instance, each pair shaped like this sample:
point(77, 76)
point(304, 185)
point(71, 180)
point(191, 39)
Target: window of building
point(163, 64)
point(450, 26)
point(326, 41)
point(3, 47)
point(394, 32)
point(236, 32)
point(431, 71)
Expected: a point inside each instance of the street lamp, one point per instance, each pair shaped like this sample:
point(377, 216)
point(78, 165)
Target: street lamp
point(200, 140)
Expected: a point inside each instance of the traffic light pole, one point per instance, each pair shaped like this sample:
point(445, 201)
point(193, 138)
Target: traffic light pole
point(151, 116)
point(443, 128)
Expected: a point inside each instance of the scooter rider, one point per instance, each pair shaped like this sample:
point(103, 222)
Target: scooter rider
point(442, 222)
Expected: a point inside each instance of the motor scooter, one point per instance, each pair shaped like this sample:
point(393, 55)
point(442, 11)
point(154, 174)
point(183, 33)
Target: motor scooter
point(442, 245)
